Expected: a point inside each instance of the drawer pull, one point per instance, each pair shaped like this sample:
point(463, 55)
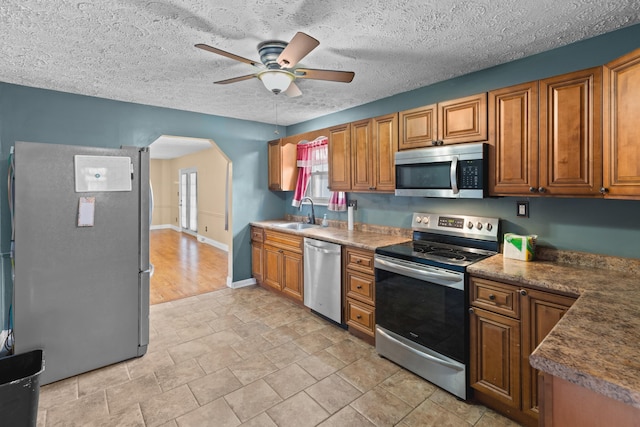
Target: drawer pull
point(492, 297)
point(359, 287)
point(358, 261)
point(523, 292)
point(358, 316)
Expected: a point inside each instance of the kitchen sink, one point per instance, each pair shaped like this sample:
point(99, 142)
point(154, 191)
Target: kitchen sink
point(297, 225)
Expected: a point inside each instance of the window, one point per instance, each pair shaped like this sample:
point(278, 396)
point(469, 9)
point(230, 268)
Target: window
point(318, 188)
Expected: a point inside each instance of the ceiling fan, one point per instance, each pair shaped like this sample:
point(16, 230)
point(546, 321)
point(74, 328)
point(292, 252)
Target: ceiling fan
point(277, 61)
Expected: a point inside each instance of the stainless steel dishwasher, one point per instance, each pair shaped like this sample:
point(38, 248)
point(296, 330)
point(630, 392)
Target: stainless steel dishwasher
point(322, 278)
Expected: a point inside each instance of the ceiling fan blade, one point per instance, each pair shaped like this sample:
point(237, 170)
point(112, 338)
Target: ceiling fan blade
point(293, 91)
point(235, 79)
point(331, 75)
point(299, 47)
point(228, 55)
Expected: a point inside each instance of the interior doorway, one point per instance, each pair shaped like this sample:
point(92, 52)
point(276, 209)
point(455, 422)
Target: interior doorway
point(188, 200)
point(190, 237)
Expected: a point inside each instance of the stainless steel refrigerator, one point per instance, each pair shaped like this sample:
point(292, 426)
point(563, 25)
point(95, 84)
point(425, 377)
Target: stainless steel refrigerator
point(81, 287)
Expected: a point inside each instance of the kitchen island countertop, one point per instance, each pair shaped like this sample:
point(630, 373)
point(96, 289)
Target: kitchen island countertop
point(596, 344)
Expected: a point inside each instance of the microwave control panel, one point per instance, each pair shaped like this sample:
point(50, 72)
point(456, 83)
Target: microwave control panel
point(471, 174)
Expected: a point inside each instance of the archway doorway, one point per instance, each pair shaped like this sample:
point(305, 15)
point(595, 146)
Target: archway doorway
point(197, 258)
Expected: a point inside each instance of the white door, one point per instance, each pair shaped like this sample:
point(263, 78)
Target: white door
point(189, 200)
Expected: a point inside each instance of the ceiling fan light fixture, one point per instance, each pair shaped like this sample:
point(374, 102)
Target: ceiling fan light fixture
point(276, 80)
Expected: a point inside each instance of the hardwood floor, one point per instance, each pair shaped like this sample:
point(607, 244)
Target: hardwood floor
point(183, 266)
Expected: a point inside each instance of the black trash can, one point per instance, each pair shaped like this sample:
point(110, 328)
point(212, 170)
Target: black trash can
point(20, 388)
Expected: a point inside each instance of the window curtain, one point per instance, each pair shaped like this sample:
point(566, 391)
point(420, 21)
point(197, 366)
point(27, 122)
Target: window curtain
point(311, 157)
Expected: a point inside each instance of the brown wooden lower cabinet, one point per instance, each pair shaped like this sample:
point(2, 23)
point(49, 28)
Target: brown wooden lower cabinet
point(507, 324)
point(359, 285)
point(257, 257)
point(281, 263)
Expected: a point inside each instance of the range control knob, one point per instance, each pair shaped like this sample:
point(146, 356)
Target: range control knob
point(489, 226)
point(418, 219)
point(469, 224)
point(479, 226)
point(425, 220)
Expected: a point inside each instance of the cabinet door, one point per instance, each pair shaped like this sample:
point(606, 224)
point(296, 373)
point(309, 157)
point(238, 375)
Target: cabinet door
point(292, 278)
point(272, 274)
point(257, 261)
point(495, 356)
point(385, 146)
point(361, 156)
point(275, 166)
point(571, 134)
point(621, 135)
point(418, 127)
point(540, 313)
point(340, 158)
point(463, 119)
point(513, 130)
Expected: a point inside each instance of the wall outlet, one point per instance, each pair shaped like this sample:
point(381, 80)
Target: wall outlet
point(522, 209)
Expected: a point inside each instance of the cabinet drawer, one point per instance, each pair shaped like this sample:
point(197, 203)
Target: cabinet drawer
point(496, 297)
point(257, 234)
point(283, 241)
point(359, 260)
point(360, 287)
point(361, 317)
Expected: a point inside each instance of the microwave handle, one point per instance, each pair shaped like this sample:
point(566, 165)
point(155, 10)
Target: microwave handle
point(453, 175)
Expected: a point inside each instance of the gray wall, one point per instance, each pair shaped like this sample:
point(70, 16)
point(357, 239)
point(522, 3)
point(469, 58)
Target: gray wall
point(598, 226)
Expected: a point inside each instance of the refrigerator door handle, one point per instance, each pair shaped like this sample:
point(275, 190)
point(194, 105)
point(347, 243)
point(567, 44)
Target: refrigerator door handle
point(143, 322)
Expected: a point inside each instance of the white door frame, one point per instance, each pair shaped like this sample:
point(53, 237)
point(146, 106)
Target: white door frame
point(187, 172)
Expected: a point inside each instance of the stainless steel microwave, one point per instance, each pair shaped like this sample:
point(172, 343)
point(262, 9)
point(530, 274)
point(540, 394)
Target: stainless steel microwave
point(448, 171)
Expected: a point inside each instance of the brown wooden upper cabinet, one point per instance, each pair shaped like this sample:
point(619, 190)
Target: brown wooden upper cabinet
point(450, 122)
point(554, 150)
point(361, 155)
point(283, 171)
point(621, 132)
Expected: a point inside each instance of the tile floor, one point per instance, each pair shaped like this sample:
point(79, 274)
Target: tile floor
point(247, 357)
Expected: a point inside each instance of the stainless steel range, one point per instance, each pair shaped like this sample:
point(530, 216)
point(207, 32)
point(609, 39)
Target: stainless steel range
point(421, 296)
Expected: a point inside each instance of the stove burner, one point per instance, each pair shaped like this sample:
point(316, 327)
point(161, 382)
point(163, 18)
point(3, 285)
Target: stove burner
point(449, 255)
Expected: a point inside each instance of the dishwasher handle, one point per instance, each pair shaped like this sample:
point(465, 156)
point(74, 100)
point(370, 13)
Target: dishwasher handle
point(323, 247)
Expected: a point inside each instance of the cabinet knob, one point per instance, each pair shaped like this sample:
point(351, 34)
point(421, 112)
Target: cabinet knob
point(471, 311)
point(603, 190)
point(542, 189)
point(523, 292)
point(372, 188)
point(359, 287)
point(358, 261)
point(492, 297)
point(532, 189)
point(280, 251)
point(359, 316)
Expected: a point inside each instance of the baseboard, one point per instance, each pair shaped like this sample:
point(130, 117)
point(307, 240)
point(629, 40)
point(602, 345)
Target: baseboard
point(164, 227)
point(213, 243)
point(200, 238)
point(240, 284)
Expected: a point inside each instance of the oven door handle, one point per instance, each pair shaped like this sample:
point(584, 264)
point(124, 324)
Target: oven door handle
point(453, 174)
point(420, 353)
point(442, 278)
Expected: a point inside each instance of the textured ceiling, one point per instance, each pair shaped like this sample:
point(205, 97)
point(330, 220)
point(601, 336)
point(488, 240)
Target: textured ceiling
point(143, 51)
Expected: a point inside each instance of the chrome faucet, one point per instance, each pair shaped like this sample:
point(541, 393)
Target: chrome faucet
point(312, 216)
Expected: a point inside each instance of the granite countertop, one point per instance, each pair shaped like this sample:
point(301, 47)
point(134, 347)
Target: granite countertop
point(596, 344)
point(363, 237)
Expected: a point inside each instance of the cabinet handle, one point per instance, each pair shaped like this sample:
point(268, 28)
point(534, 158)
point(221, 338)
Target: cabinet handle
point(603, 190)
point(542, 189)
point(372, 188)
point(280, 251)
point(532, 189)
point(359, 287)
point(358, 316)
point(358, 261)
point(492, 297)
point(471, 311)
point(523, 292)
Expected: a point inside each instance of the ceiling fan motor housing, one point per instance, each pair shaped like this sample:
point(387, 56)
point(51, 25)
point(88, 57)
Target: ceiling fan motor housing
point(269, 52)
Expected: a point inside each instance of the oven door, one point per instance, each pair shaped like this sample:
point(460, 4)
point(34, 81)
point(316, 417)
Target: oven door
point(423, 304)
point(421, 322)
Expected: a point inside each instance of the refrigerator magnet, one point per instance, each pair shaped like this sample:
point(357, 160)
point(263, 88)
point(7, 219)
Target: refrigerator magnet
point(86, 211)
